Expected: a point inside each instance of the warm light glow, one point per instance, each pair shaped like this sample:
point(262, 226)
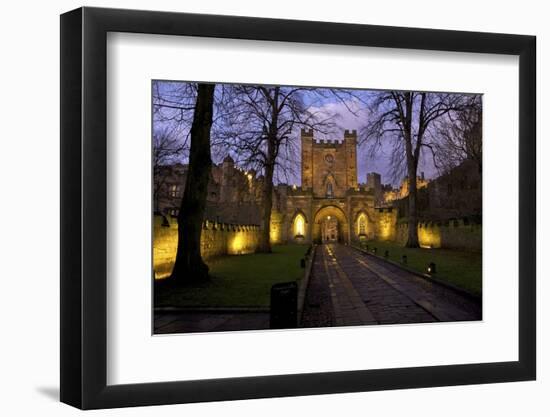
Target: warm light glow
point(386, 231)
point(299, 225)
point(429, 237)
point(237, 244)
point(362, 224)
point(275, 233)
point(386, 227)
point(240, 243)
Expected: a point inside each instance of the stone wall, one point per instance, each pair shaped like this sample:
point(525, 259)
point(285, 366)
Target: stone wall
point(453, 234)
point(385, 225)
point(217, 239)
point(454, 195)
point(276, 230)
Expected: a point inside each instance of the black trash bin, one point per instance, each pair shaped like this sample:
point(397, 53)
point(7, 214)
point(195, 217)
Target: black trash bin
point(284, 305)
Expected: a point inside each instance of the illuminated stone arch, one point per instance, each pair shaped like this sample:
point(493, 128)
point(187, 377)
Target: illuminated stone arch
point(335, 212)
point(362, 224)
point(299, 226)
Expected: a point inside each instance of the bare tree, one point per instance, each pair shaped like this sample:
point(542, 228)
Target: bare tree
point(167, 150)
point(260, 130)
point(458, 137)
point(402, 119)
point(189, 265)
point(174, 104)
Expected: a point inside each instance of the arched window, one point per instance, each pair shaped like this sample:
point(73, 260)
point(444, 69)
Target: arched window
point(362, 225)
point(299, 226)
point(329, 190)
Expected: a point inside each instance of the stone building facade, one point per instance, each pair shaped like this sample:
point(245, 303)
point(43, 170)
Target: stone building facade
point(329, 205)
point(456, 194)
point(233, 195)
point(449, 210)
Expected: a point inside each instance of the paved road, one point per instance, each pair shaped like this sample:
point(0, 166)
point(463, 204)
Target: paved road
point(349, 287)
point(196, 321)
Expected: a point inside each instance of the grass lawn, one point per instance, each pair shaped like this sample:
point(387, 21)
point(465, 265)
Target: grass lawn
point(237, 281)
point(459, 268)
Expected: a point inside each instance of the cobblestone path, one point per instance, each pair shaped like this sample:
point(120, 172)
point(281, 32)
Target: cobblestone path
point(365, 290)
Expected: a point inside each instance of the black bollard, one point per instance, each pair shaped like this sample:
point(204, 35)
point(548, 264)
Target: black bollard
point(404, 259)
point(386, 254)
point(375, 250)
point(302, 263)
point(284, 306)
point(431, 268)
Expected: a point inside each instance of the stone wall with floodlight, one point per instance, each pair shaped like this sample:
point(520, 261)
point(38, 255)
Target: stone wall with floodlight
point(451, 234)
point(217, 239)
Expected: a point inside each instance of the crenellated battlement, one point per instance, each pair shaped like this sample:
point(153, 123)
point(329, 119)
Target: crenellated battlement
point(328, 142)
point(217, 239)
point(213, 225)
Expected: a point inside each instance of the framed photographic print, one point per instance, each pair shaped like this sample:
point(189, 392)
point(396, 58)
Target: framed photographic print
point(257, 208)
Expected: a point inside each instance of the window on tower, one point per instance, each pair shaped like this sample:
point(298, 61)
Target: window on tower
point(330, 193)
point(174, 190)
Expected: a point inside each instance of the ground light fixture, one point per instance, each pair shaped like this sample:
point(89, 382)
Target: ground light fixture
point(431, 268)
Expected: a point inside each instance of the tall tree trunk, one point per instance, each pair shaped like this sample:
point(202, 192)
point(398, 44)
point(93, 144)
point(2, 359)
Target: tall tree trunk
point(412, 164)
point(272, 150)
point(189, 265)
point(267, 197)
point(412, 238)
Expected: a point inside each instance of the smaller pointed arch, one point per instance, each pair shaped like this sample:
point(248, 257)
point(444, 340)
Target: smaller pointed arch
point(299, 225)
point(361, 224)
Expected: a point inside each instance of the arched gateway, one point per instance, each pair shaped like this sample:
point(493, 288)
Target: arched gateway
point(330, 224)
point(331, 205)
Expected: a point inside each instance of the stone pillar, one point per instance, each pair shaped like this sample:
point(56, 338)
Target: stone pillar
point(350, 144)
point(307, 158)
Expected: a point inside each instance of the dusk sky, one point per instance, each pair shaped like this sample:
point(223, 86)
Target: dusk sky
point(366, 163)
point(328, 105)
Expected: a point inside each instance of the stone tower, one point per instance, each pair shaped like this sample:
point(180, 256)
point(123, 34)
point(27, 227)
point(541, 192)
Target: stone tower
point(374, 183)
point(307, 158)
point(329, 168)
point(226, 191)
point(350, 144)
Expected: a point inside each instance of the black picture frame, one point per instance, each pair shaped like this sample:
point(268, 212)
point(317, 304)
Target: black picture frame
point(84, 207)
